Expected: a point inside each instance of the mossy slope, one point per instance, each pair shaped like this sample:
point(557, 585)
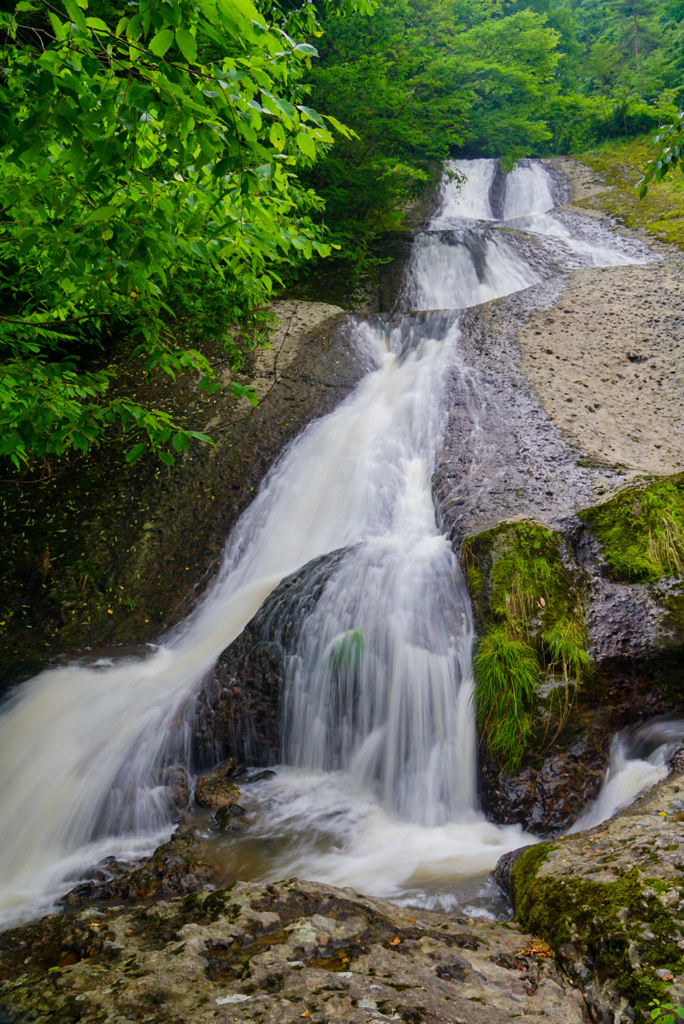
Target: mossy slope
point(661, 213)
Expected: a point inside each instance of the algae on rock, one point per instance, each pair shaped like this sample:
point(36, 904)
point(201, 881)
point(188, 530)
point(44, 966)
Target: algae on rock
point(641, 531)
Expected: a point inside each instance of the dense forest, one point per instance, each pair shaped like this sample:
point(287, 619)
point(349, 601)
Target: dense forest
point(169, 166)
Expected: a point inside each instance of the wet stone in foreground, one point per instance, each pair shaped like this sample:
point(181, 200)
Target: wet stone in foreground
point(285, 952)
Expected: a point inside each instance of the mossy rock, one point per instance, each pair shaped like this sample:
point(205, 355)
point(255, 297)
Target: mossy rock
point(610, 901)
point(641, 531)
point(531, 655)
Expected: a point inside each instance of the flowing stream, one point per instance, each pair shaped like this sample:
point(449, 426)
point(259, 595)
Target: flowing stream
point(379, 789)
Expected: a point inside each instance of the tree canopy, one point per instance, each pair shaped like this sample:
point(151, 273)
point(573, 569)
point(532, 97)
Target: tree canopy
point(145, 150)
point(171, 159)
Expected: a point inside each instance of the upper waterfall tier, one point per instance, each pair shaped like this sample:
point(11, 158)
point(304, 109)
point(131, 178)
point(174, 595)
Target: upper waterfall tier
point(479, 187)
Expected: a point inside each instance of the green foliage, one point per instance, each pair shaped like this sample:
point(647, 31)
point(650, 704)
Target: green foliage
point(507, 672)
point(532, 621)
point(670, 153)
point(641, 531)
point(420, 81)
point(137, 149)
point(666, 1013)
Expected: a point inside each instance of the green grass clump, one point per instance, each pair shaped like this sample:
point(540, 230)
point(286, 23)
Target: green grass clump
point(660, 213)
point(530, 615)
point(641, 531)
point(507, 673)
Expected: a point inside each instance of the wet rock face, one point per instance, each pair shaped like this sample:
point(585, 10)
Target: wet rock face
point(217, 788)
point(607, 579)
point(238, 712)
point(175, 868)
point(280, 953)
point(547, 798)
point(611, 903)
point(117, 553)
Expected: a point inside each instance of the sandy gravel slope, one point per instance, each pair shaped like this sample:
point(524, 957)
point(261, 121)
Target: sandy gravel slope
point(607, 361)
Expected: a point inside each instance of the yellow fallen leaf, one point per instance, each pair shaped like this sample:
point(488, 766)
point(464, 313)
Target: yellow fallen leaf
point(537, 948)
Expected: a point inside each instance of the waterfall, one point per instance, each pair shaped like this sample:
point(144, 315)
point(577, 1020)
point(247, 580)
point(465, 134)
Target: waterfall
point(380, 791)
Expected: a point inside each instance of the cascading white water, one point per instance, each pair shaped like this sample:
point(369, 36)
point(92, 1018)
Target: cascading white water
point(380, 734)
point(528, 191)
point(638, 760)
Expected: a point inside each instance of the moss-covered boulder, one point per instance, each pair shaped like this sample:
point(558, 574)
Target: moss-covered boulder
point(610, 901)
point(638, 556)
point(580, 632)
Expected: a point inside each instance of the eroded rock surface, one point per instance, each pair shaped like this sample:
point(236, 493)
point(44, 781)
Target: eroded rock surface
point(607, 360)
point(280, 953)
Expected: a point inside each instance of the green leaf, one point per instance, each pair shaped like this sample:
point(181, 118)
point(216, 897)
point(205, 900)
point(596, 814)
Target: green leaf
point(58, 27)
point(180, 441)
point(76, 14)
point(160, 43)
point(187, 44)
point(167, 458)
point(244, 391)
point(103, 213)
point(135, 452)
point(307, 145)
point(97, 23)
point(277, 136)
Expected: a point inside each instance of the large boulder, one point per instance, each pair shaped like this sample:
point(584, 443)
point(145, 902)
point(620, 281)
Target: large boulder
point(580, 633)
point(238, 711)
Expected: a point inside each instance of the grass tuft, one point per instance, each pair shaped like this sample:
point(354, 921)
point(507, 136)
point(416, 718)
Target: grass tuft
point(531, 618)
point(507, 673)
